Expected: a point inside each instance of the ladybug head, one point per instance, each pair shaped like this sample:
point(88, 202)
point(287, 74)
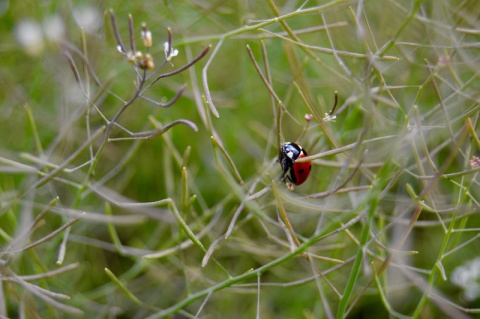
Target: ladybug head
point(290, 152)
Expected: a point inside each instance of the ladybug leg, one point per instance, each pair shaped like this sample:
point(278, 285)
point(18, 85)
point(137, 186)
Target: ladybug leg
point(286, 167)
point(285, 177)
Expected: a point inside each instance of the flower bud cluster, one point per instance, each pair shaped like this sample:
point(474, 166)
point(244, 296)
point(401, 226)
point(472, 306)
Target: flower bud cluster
point(145, 61)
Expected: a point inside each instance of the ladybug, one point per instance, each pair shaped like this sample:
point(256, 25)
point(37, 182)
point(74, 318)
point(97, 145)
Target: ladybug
point(289, 153)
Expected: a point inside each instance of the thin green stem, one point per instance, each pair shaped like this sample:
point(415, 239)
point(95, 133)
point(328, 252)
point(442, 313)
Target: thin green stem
point(252, 273)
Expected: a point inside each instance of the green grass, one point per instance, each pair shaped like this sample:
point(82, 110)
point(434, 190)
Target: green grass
point(132, 192)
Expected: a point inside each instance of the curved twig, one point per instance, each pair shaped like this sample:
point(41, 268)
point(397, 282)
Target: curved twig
point(120, 47)
point(169, 103)
point(70, 47)
point(151, 133)
point(179, 70)
point(130, 31)
point(349, 177)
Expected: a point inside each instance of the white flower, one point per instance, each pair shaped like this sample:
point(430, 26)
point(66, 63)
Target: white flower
point(329, 118)
point(132, 57)
point(169, 52)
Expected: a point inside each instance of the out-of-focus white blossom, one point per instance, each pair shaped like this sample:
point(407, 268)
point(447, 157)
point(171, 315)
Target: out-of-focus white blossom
point(54, 28)
point(88, 17)
point(467, 276)
point(30, 36)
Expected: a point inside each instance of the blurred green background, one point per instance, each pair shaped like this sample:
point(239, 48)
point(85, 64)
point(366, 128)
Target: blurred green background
point(191, 223)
